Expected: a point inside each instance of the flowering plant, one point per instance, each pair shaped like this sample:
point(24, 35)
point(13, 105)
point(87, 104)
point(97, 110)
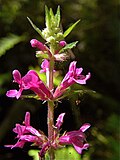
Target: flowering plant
point(54, 49)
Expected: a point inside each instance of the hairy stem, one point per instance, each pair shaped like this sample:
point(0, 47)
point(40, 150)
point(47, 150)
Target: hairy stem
point(50, 117)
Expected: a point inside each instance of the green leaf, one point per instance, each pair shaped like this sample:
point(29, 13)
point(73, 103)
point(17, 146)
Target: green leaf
point(70, 29)
point(60, 154)
point(71, 92)
point(57, 16)
point(9, 42)
point(35, 27)
point(47, 17)
point(34, 154)
point(68, 46)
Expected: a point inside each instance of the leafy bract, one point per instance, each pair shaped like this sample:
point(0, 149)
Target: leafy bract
point(70, 28)
point(57, 16)
point(35, 27)
point(68, 46)
point(47, 17)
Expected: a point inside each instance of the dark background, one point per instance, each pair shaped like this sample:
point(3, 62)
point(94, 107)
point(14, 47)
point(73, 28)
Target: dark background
point(97, 52)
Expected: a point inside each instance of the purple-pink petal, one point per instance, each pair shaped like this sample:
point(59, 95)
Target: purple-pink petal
point(84, 127)
point(33, 131)
point(28, 138)
point(17, 76)
point(14, 93)
point(19, 144)
point(59, 120)
point(44, 66)
point(27, 119)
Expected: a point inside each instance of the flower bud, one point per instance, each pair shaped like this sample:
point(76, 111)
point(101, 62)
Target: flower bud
point(37, 44)
point(62, 43)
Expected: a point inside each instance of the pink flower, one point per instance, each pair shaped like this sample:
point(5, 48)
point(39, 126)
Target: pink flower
point(26, 133)
point(30, 81)
point(75, 138)
point(73, 76)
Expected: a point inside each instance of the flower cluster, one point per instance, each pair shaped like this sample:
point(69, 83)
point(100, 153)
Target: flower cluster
point(26, 133)
point(33, 82)
point(53, 50)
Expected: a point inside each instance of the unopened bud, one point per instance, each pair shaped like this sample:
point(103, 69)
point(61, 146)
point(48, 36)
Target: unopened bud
point(37, 44)
point(62, 43)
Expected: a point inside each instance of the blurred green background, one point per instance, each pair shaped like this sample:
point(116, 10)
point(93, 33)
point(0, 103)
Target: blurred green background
point(97, 52)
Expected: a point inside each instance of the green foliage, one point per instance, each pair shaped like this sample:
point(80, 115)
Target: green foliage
point(68, 153)
point(9, 42)
point(68, 46)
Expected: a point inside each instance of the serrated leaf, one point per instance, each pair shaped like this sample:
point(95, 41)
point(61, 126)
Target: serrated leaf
point(35, 27)
point(9, 42)
point(47, 17)
point(68, 46)
point(57, 16)
point(70, 29)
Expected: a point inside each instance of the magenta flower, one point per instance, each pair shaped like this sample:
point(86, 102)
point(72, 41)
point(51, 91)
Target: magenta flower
point(32, 82)
point(26, 133)
point(73, 76)
point(75, 138)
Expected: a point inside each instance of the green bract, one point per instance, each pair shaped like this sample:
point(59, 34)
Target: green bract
point(70, 28)
point(52, 33)
point(68, 46)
